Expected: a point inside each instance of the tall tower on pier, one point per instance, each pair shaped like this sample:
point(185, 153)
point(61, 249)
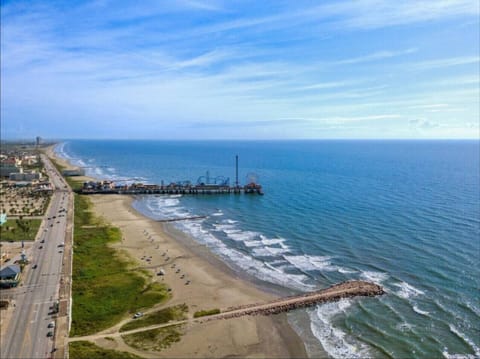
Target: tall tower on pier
point(236, 170)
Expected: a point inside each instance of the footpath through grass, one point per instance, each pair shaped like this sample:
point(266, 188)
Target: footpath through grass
point(87, 350)
point(104, 288)
point(155, 339)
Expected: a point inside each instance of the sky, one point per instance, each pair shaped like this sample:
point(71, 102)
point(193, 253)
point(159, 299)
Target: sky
point(201, 69)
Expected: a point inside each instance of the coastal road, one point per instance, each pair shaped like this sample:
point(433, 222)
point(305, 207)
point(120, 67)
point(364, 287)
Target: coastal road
point(26, 334)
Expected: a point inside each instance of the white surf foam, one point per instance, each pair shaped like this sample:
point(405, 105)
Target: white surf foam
point(447, 355)
point(252, 243)
point(466, 340)
point(225, 227)
point(269, 251)
point(407, 290)
point(376, 277)
point(242, 236)
point(333, 340)
point(170, 202)
point(269, 241)
point(175, 196)
point(419, 311)
point(249, 264)
point(311, 263)
point(346, 271)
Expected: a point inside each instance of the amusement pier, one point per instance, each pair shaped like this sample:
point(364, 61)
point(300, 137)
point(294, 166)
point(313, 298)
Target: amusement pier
point(205, 185)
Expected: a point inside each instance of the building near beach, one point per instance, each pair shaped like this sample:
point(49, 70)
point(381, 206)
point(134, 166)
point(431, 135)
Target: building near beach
point(10, 276)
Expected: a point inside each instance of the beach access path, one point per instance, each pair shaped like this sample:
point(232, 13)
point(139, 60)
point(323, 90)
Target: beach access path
point(334, 293)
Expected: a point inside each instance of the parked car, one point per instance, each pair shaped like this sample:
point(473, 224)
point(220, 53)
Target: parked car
point(51, 325)
point(34, 266)
point(50, 334)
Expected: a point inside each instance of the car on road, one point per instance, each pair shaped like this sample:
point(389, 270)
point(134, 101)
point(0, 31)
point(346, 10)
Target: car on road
point(42, 241)
point(138, 315)
point(50, 334)
point(34, 266)
point(40, 247)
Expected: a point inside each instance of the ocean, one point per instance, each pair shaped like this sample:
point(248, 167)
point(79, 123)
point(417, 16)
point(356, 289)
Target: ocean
point(404, 214)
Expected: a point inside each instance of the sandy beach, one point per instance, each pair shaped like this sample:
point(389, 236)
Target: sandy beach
point(212, 285)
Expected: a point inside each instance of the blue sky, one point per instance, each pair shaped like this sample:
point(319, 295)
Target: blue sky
point(198, 69)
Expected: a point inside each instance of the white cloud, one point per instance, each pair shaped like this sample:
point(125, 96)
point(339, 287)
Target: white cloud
point(445, 62)
point(133, 67)
point(374, 14)
point(379, 55)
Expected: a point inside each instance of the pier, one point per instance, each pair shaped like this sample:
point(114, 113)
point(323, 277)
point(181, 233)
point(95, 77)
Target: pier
point(205, 185)
point(349, 289)
point(334, 293)
point(109, 187)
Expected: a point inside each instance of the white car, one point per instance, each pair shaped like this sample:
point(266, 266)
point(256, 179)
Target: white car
point(138, 315)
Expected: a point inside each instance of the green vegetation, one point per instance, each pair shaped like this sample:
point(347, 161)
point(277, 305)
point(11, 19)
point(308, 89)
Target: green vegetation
point(72, 182)
point(57, 165)
point(104, 288)
point(203, 313)
point(162, 316)
point(20, 229)
point(87, 350)
point(155, 339)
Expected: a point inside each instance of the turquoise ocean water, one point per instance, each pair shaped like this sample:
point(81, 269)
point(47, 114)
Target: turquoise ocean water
point(405, 214)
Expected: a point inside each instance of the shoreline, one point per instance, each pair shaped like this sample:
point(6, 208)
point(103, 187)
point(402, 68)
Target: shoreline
point(213, 285)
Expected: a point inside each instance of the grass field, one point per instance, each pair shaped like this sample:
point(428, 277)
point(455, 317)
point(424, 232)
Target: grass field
point(204, 313)
point(155, 339)
point(105, 290)
point(162, 316)
point(10, 231)
point(87, 350)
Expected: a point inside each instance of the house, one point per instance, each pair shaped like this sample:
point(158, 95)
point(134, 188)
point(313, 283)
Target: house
point(10, 276)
